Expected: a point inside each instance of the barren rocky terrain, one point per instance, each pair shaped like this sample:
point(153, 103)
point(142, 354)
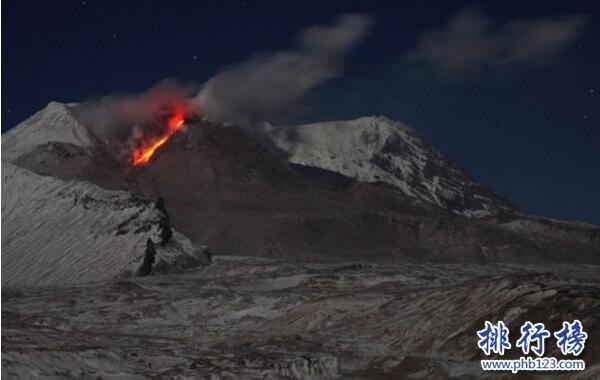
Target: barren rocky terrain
point(252, 318)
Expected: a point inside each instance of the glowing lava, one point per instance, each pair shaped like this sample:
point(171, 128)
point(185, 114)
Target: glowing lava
point(143, 154)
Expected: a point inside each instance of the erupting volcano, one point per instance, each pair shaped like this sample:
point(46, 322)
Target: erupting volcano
point(142, 154)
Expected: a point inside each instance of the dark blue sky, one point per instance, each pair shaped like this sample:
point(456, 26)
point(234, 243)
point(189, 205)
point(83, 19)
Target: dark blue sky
point(523, 120)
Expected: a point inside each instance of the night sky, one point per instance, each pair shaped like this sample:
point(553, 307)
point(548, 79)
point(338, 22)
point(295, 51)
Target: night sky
point(508, 89)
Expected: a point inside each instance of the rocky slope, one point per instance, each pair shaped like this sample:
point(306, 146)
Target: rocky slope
point(57, 232)
point(248, 318)
point(225, 189)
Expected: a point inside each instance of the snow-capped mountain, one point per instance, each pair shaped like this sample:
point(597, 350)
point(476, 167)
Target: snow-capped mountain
point(377, 149)
point(57, 232)
point(55, 123)
point(56, 142)
point(222, 187)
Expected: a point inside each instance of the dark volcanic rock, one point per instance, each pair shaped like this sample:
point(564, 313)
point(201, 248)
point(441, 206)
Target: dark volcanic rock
point(223, 188)
point(146, 268)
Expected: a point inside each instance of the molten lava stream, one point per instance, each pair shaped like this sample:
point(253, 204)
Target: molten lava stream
point(142, 155)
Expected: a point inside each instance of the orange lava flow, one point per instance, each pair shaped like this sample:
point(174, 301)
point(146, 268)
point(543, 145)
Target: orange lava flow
point(142, 155)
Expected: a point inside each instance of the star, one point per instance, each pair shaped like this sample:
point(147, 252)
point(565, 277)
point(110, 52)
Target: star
point(591, 90)
point(114, 36)
point(83, 3)
point(195, 58)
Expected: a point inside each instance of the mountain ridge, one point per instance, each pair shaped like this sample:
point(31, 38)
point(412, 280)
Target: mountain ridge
point(378, 149)
point(223, 186)
point(57, 232)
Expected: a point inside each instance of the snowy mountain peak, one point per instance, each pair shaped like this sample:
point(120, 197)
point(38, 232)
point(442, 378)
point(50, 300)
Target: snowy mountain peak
point(378, 149)
point(55, 123)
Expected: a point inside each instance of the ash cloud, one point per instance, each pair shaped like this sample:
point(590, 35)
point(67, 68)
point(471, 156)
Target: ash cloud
point(121, 117)
point(270, 84)
point(470, 42)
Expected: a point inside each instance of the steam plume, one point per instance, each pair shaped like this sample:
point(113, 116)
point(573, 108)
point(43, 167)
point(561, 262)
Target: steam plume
point(272, 83)
point(118, 118)
point(265, 86)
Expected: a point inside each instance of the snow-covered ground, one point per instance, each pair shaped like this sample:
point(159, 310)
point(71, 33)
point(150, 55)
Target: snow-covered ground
point(57, 232)
point(248, 318)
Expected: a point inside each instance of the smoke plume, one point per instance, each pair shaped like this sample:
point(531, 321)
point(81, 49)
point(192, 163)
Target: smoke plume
point(245, 94)
point(119, 118)
point(272, 83)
